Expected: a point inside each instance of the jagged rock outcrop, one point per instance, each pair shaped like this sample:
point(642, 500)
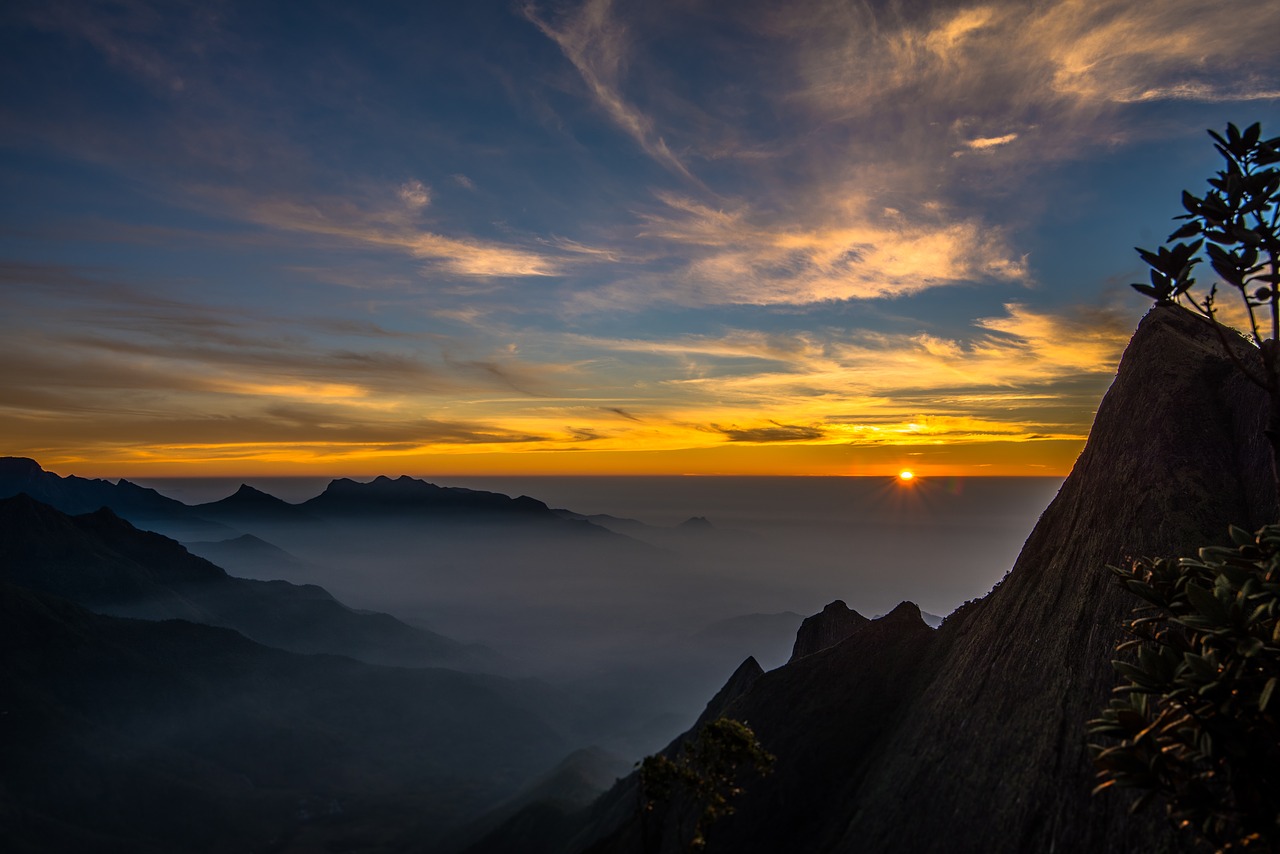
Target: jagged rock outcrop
point(827, 628)
point(971, 738)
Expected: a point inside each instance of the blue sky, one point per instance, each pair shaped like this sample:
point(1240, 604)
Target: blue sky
point(813, 237)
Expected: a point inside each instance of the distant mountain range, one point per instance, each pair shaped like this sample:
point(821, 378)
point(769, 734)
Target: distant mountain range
point(212, 666)
point(381, 500)
point(104, 563)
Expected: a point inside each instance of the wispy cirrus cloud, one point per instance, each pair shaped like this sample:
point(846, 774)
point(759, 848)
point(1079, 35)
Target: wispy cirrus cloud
point(391, 229)
point(1015, 68)
point(596, 43)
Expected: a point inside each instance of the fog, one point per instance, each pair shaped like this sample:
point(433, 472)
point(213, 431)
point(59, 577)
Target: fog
point(642, 623)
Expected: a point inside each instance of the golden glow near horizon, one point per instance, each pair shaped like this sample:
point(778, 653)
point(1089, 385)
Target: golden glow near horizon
point(906, 475)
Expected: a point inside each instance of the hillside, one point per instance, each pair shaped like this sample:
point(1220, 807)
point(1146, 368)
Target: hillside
point(106, 564)
point(971, 738)
point(129, 735)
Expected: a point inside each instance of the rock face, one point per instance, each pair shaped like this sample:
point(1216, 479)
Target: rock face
point(833, 624)
point(971, 738)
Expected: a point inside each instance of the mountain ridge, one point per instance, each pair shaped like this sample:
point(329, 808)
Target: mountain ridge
point(105, 563)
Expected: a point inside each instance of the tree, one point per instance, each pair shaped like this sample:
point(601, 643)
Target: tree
point(1236, 226)
point(703, 777)
point(1199, 717)
point(1196, 719)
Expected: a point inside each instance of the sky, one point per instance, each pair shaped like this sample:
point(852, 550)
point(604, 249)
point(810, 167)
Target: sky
point(670, 237)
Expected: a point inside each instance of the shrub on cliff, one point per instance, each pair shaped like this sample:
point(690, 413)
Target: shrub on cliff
point(702, 779)
point(1198, 719)
point(1236, 226)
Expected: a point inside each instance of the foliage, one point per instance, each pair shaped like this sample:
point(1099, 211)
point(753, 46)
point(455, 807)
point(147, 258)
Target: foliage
point(1199, 716)
point(1236, 225)
point(705, 774)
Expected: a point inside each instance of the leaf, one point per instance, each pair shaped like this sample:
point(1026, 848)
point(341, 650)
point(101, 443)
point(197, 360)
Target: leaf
point(1252, 134)
point(1206, 603)
point(1240, 536)
point(1186, 230)
point(1267, 691)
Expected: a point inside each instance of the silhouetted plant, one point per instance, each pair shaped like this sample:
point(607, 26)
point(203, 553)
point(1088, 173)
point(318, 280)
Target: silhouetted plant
point(1236, 225)
point(1197, 717)
point(704, 776)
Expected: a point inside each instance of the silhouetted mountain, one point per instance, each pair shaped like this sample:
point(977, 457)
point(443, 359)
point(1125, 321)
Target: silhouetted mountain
point(835, 623)
point(767, 637)
point(540, 826)
point(971, 738)
point(126, 735)
point(543, 812)
point(384, 497)
point(106, 564)
point(245, 550)
point(75, 495)
point(251, 505)
point(696, 523)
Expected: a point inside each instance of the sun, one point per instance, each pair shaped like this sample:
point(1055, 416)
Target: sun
point(906, 476)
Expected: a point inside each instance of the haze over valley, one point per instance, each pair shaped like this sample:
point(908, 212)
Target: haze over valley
point(600, 631)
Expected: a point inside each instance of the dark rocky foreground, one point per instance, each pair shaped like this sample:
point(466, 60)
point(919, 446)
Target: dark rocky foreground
point(971, 738)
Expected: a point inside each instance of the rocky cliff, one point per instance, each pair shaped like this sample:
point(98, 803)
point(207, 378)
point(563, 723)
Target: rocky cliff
point(971, 738)
point(827, 628)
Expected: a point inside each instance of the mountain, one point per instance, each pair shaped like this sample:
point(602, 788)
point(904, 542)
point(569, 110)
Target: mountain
point(383, 497)
point(971, 737)
point(106, 564)
point(544, 810)
point(248, 556)
point(142, 506)
point(767, 637)
point(135, 736)
point(835, 623)
point(254, 506)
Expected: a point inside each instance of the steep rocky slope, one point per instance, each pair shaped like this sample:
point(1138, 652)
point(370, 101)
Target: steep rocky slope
point(971, 738)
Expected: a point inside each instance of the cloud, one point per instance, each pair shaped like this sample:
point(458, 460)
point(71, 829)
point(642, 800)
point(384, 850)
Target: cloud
point(775, 433)
point(984, 143)
point(1023, 358)
point(622, 413)
point(596, 43)
point(738, 255)
point(414, 194)
point(1012, 64)
point(459, 256)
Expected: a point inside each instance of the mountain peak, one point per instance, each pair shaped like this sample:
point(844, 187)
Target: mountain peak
point(409, 495)
point(16, 467)
point(826, 629)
